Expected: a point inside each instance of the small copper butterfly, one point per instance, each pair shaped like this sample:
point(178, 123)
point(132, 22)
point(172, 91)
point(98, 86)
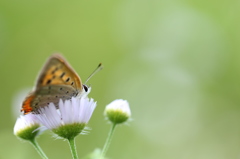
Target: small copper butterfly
point(56, 81)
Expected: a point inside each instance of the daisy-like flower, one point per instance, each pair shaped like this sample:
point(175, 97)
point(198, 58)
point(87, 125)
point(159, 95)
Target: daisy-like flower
point(26, 127)
point(118, 111)
point(70, 119)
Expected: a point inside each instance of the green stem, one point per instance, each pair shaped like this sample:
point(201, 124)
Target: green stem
point(38, 148)
point(73, 148)
point(108, 141)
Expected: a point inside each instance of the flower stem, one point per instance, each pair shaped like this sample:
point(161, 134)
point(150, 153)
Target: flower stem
point(108, 141)
point(38, 148)
point(73, 148)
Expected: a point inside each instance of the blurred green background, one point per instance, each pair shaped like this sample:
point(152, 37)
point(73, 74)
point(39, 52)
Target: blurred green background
point(176, 62)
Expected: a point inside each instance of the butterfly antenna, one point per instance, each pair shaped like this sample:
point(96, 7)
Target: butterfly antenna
point(99, 67)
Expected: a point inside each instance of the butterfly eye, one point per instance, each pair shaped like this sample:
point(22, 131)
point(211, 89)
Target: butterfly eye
point(85, 88)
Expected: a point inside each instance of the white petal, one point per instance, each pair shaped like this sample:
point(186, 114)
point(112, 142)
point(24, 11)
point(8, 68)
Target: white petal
point(76, 110)
point(25, 121)
point(119, 105)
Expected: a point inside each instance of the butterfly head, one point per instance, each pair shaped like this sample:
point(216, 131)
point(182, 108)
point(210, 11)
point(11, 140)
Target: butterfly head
point(85, 90)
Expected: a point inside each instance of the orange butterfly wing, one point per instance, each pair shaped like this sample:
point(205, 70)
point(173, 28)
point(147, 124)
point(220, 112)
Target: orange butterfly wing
point(56, 80)
point(58, 71)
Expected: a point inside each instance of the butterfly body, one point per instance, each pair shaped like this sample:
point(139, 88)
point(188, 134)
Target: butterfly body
point(56, 81)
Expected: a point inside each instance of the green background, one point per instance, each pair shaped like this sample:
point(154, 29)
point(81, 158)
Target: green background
point(176, 62)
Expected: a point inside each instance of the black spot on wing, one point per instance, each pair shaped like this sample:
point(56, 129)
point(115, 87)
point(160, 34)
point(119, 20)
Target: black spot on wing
point(62, 75)
point(67, 79)
point(54, 70)
point(49, 81)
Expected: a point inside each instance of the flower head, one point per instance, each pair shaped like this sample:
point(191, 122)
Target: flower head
point(26, 127)
point(71, 117)
point(118, 111)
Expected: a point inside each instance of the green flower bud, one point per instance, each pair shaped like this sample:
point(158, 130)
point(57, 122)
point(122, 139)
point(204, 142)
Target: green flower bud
point(118, 111)
point(26, 127)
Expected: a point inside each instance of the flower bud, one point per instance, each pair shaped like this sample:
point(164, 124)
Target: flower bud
point(26, 127)
point(118, 111)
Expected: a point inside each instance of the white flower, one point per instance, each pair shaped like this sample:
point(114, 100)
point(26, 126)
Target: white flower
point(71, 113)
point(26, 127)
point(118, 111)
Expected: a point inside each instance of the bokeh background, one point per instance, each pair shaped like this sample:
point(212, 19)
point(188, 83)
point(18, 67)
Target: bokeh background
point(176, 62)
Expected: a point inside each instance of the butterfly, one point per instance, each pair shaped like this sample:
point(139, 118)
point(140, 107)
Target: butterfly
point(57, 80)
